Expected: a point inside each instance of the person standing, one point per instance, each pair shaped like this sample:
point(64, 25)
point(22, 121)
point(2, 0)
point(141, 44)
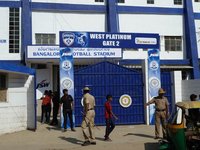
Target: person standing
point(88, 118)
point(46, 101)
point(161, 112)
point(68, 105)
point(55, 100)
point(48, 107)
point(110, 124)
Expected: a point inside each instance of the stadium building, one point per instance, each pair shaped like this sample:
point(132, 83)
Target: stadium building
point(29, 60)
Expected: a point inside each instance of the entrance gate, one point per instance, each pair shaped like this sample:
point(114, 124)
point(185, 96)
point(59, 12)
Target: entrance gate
point(107, 78)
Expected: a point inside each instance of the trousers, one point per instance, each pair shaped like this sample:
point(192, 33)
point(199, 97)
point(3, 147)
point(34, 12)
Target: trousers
point(160, 116)
point(88, 125)
point(110, 125)
point(68, 113)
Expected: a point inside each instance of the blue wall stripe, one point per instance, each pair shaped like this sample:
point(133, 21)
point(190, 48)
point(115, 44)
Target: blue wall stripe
point(150, 10)
point(112, 16)
point(12, 4)
point(26, 27)
point(131, 62)
point(197, 16)
point(185, 62)
point(191, 41)
point(36, 6)
point(11, 67)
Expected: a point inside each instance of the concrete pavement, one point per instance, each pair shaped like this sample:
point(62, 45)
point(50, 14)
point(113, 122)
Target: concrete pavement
point(134, 137)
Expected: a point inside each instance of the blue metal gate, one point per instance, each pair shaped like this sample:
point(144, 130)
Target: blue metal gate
point(108, 78)
point(167, 84)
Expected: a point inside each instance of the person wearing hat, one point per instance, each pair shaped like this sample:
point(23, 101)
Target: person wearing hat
point(88, 118)
point(161, 112)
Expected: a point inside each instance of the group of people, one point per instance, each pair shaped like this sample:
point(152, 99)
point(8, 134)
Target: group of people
point(46, 106)
point(88, 113)
point(161, 113)
point(66, 100)
point(89, 116)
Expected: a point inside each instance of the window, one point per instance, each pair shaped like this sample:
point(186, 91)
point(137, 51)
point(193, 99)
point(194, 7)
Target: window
point(150, 1)
point(14, 33)
point(3, 87)
point(173, 43)
point(46, 39)
point(197, 1)
point(99, 0)
point(177, 2)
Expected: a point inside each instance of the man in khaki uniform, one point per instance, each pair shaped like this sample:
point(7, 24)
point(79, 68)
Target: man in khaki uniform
point(88, 118)
point(161, 112)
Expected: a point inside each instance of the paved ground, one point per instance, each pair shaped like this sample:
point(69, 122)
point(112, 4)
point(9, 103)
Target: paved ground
point(135, 137)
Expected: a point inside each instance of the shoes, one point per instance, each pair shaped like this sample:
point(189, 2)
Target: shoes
point(107, 139)
point(86, 143)
point(93, 143)
point(64, 130)
point(73, 130)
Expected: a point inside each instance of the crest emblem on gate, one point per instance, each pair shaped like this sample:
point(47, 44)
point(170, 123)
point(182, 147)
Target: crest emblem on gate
point(68, 38)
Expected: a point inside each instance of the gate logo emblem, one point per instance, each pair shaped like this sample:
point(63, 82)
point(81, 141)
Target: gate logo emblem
point(125, 101)
point(82, 40)
point(154, 65)
point(154, 82)
point(66, 65)
point(68, 38)
point(67, 83)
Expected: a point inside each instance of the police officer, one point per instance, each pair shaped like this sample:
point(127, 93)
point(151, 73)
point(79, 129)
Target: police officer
point(161, 112)
point(88, 118)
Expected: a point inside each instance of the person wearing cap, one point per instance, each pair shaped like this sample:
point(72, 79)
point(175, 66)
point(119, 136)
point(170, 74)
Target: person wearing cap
point(161, 112)
point(88, 118)
point(68, 105)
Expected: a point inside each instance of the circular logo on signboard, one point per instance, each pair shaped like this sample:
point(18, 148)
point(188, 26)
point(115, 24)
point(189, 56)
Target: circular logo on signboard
point(67, 83)
point(153, 65)
point(125, 101)
point(154, 82)
point(66, 65)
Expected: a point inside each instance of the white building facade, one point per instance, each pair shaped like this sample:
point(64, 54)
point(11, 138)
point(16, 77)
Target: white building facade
point(36, 23)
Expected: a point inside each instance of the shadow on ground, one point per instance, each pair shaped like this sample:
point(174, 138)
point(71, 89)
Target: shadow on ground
point(151, 146)
point(141, 135)
point(56, 128)
point(71, 140)
point(100, 138)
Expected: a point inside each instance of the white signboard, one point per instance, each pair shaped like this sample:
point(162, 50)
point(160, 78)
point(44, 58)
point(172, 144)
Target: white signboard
point(35, 52)
point(42, 82)
point(97, 52)
point(146, 41)
point(43, 52)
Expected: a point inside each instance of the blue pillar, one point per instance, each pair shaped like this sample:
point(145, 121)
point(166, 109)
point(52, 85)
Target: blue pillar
point(191, 41)
point(26, 27)
point(112, 16)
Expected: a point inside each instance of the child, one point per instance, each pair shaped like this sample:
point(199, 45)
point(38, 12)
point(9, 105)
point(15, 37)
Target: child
point(110, 125)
